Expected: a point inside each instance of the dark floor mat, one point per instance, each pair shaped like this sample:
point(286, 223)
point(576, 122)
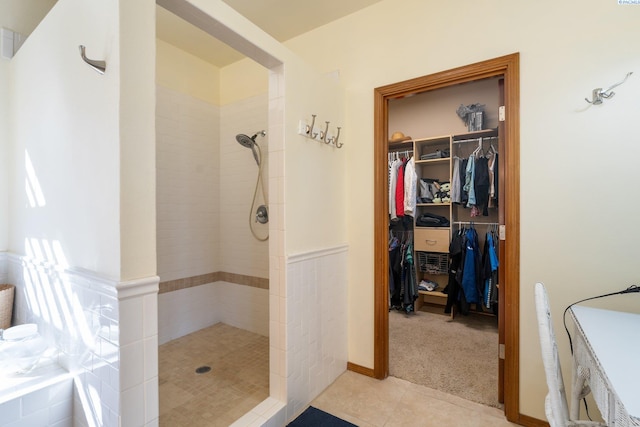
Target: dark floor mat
point(314, 417)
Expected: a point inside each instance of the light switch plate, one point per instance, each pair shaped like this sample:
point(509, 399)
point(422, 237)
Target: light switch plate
point(6, 43)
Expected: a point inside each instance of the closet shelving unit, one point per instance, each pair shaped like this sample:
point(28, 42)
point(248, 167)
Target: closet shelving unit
point(432, 243)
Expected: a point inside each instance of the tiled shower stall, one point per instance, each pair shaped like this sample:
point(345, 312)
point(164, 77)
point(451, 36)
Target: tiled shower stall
point(211, 268)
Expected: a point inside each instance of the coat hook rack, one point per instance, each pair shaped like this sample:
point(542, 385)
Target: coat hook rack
point(309, 129)
point(99, 66)
point(334, 139)
point(598, 95)
point(322, 135)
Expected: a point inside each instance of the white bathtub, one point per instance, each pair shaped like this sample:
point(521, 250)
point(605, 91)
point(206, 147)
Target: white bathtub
point(43, 397)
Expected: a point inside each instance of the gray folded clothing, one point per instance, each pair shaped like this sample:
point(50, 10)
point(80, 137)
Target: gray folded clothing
point(438, 154)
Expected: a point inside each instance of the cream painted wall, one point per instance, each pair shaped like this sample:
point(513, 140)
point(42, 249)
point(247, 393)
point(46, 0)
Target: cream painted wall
point(173, 64)
point(433, 113)
point(241, 80)
point(315, 173)
point(65, 141)
point(575, 229)
point(137, 104)
point(89, 127)
point(4, 154)
point(22, 17)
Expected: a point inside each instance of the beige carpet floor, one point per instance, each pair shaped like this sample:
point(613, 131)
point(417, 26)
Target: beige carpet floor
point(458, 356)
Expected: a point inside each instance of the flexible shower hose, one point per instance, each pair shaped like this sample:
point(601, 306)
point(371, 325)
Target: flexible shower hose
point(259, 180)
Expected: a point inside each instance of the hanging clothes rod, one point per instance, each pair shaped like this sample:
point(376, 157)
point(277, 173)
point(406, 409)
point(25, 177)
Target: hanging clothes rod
point(397, 154)
point(474, 223)
point(490, 138)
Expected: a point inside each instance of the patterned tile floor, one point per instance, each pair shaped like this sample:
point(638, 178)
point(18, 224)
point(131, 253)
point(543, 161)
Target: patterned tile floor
point(238, 380)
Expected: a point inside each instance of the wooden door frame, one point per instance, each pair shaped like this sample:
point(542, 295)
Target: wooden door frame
point(506, 67)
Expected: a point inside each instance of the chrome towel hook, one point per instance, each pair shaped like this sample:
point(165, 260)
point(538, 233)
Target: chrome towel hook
point(598, 95)
point(99, 66)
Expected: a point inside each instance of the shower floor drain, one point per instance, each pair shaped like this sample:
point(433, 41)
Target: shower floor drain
point(203, 369)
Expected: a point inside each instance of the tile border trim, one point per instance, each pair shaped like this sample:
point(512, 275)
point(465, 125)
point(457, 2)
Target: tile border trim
point(218, 276)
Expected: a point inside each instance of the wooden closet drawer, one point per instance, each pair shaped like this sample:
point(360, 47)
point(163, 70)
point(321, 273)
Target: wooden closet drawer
point(431, 240)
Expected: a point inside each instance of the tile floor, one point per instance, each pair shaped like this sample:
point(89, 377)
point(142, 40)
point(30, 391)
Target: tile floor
point(367, 402)
point(238, 380)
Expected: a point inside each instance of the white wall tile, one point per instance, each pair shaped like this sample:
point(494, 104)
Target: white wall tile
point(150, 318)
point(46, 406)
point(240, 252)
point(277, 418)
point(277, 386)
point(109, 416)
point(131, 320)
point(247, 420)
point(150, 358)
point(61, 392)
point(108, 396)
point(89, 342)
point(187, 135)
point(316, 347)
point(63, 423)
point(10, 411)
point(187, 310)
point(35, 401)
point(133, 405)
point(131, 365)
point(33, 419)
point(244, 307)
point(151, 402)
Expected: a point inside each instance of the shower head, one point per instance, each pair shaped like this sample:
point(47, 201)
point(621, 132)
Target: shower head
point(245, 140)
point(250, 142)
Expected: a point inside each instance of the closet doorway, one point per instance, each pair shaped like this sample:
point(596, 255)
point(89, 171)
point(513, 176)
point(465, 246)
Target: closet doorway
point(506, 70)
